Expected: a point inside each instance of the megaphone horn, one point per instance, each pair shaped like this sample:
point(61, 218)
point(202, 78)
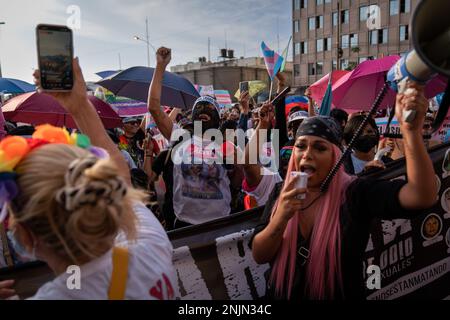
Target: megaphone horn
point(430, 29)
point(431, 34)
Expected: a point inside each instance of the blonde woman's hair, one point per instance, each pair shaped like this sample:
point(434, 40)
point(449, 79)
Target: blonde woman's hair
point(74, 203)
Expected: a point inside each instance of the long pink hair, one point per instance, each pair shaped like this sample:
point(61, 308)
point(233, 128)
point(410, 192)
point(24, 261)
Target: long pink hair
point(324, 266)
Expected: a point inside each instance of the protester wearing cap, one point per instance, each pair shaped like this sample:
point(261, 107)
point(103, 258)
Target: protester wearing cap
point(201, 186)
point(131, 140)
point(294, 121)
point(315, 246)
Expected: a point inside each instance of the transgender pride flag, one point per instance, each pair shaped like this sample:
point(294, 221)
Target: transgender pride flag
point(273, 60)
point(223, 98)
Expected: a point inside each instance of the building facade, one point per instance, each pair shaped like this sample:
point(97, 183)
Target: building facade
point(227, 75)
point(339, 34)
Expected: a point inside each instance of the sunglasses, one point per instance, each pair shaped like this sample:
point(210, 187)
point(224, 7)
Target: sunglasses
point(133, 123)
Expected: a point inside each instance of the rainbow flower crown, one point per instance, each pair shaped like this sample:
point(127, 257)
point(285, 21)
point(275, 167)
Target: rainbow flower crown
point(14, 149)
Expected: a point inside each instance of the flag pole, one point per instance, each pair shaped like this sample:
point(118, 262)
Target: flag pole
point(271, 88)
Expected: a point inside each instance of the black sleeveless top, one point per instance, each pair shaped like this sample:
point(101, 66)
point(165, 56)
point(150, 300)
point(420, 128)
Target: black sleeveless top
point(366, 200)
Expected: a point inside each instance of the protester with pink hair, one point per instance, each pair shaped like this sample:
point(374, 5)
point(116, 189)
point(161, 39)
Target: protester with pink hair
point(315, 245)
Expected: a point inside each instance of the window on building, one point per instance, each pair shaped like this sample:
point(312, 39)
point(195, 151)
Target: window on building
point(297, 48)
point(393, 7)
point(312, 23)
point(384, 36)
point(319, 45)
point(345, 41)
point(378, 36)
point(297, 5)
point(354, 40)
point(334, 66)
point(297, 26)
point(311, 69)
point(327, 1)
point(344, 64)
point(362, 59)
point(319, 67)
point(303, 47)
point(335, 19)
point(303, 4)
point(405, 6)
point(373, 37)
point(319, 2)
point(296, 70)
point(327, 44)
point(404, 33)
point(319, 22)
point(344, 16)
point(363, 13)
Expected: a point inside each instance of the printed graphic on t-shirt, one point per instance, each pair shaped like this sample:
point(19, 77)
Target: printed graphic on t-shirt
point(202, 181)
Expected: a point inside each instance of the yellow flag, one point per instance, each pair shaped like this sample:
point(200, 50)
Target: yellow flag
point(254, 88)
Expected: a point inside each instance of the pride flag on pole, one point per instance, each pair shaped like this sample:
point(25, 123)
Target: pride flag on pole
point(272, 59)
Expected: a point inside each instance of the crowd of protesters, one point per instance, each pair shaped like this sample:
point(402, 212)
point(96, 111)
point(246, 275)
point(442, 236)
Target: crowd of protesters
point(184, 180)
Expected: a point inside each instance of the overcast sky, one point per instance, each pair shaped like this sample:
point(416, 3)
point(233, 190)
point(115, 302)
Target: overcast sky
point(108, 27)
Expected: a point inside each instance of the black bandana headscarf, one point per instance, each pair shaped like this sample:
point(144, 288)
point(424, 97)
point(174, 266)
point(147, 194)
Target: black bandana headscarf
point(323, 127)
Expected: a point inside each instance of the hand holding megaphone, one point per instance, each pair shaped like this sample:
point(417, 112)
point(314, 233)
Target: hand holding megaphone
point(409, 69)
point(430, 32)
point(411, 102)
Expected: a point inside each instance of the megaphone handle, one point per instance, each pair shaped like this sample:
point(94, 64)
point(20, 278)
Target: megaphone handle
point(408, 115)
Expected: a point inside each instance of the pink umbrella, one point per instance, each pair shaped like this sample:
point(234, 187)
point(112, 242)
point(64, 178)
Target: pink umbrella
point(319, 87)
point(130, 108)
point(35, 108)
point(358, 89)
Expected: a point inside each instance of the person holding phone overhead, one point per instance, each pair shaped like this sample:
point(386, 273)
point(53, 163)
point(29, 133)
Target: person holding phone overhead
point(315, 246)
point(76, 206)
point(55, 55)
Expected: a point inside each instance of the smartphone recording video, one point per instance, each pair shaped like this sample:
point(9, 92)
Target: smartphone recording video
point(55, 55)
point(243, 86)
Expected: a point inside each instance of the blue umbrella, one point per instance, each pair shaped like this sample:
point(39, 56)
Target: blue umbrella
point(15, 86)
point(134, 83)
point(107, 73)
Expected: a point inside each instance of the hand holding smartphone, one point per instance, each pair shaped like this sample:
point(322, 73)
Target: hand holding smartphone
point(243, 86)
point(55, 56)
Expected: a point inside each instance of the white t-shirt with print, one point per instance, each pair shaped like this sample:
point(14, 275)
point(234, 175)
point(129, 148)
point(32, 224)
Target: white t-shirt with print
point(201, 187)
point(151, 275)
